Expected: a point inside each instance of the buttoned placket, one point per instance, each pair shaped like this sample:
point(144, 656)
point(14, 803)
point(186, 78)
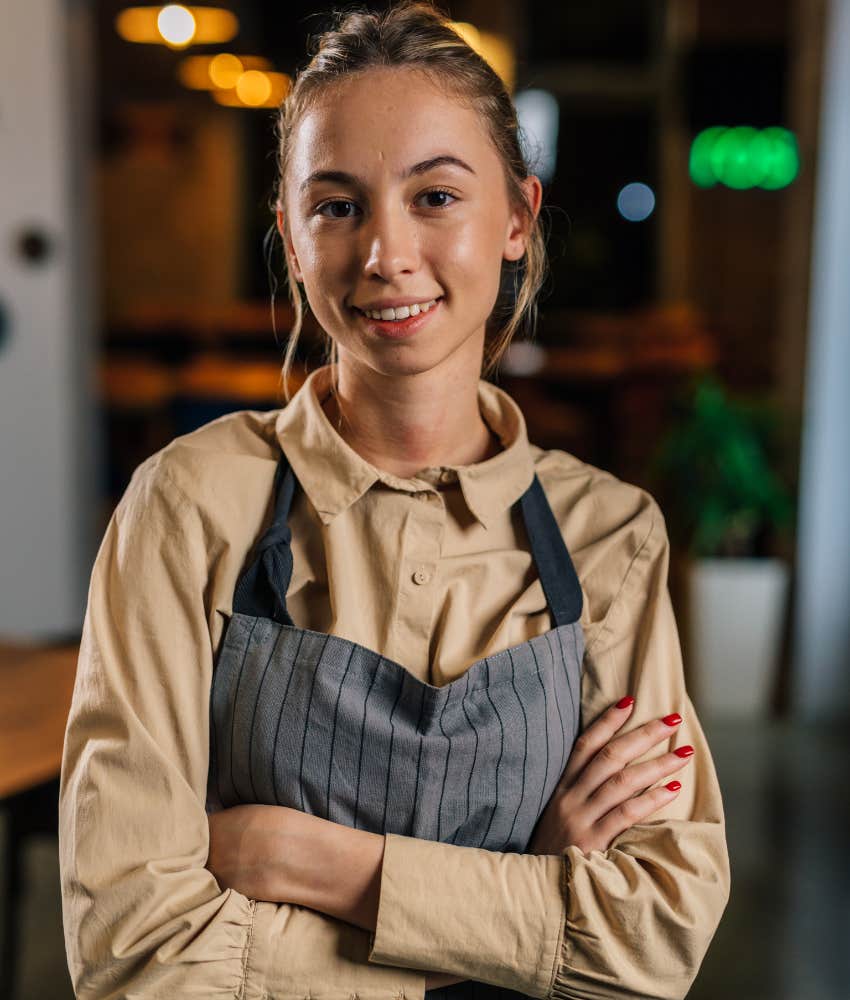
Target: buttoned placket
point(421, 549)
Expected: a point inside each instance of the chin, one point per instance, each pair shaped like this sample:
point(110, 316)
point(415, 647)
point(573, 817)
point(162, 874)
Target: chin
point(413, 362)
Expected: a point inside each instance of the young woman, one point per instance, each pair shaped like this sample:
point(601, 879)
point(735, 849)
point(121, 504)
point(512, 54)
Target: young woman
point(376, 697)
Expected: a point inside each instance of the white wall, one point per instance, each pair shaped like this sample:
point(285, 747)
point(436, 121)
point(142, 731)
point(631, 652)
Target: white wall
point(821, 674)
point(48, 434)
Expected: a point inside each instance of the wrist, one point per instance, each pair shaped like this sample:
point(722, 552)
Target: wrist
point(331, 868)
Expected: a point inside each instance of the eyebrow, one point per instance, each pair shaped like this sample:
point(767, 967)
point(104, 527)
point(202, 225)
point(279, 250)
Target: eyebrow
point(341, 177)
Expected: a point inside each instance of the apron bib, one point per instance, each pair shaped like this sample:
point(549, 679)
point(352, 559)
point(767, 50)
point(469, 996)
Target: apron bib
point(319, 723)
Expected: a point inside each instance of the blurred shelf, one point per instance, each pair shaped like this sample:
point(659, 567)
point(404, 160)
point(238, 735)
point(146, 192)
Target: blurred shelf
point(209, 324)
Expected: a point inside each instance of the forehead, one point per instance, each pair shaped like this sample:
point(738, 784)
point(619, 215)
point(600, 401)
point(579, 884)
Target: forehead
point(386, 119)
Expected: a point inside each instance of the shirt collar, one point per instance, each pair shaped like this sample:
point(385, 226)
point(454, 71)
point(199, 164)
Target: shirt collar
point(334, 475)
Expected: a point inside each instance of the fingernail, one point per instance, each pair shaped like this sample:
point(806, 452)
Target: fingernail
point(625, 702)
point(684, 751)
point(674, 786)
point(673, 719)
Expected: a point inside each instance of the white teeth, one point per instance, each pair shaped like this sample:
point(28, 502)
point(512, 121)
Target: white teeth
point(402, 312)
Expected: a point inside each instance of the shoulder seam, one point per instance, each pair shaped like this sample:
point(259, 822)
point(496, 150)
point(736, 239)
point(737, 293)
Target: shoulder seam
point(184, 496)
point(156, 466)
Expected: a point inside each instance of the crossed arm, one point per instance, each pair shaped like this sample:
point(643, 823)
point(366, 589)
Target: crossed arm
point(141, 913)
point(282, 855)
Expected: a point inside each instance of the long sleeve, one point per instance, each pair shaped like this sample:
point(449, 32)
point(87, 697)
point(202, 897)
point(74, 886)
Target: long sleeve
point(632, 921)
point(142, 915)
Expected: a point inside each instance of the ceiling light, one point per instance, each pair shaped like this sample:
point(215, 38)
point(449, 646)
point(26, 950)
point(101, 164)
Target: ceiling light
point(176, 25)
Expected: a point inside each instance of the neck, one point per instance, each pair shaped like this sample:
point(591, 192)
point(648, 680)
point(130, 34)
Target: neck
point(404, 425)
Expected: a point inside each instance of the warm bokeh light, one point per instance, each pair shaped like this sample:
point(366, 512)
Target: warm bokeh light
point(176, 25)
point(194, 72)
point(225, 70)
point(227, 98)
point(215, 25)
point(255, 89)
point(468, 32)
point(218, 72)
point(743, 157)
point(494, 49)
point(138, 24)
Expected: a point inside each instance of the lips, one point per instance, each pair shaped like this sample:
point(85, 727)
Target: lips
point(400, 329)
point(431, 303)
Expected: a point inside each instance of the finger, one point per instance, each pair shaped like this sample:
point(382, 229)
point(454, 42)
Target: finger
point(622, 750)
point(634, 779)
point(634, 810)
point(593, 738)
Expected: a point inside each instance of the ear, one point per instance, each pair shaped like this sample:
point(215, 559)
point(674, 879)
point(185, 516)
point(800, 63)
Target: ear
point(289, 250)
point(516, 238)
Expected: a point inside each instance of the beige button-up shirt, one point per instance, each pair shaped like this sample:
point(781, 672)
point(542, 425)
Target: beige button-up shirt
point(435, 572)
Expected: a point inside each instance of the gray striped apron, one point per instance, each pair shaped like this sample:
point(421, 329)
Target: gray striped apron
point(322, 724)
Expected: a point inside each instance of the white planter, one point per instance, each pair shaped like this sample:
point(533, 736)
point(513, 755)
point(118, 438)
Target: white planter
point(736, 613)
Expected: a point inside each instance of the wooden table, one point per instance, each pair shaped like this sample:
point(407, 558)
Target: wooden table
point(36, 685)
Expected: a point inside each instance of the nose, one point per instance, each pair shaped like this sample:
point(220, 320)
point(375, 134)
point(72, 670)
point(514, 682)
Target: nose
point(392, 244)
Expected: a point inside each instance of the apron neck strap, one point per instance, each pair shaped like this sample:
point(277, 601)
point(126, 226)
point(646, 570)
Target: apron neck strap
point(261, 589)
point(554, 565)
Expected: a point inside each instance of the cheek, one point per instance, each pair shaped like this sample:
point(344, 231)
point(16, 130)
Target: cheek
point(479, 238)
point(311, 254)
point(322, 268)
point(474, 256)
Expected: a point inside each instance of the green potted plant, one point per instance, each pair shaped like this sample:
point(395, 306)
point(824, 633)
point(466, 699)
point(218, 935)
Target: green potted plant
point(729, 509)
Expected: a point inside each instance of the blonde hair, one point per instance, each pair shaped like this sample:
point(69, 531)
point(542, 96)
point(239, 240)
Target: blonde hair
point(415, 34)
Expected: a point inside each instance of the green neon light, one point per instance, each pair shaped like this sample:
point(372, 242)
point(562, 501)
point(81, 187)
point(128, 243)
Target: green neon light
point(742, 157)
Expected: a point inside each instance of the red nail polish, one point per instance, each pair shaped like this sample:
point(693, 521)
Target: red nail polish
point(673, 719)
point(625, 702)
point(674, 786)
point(684, 751)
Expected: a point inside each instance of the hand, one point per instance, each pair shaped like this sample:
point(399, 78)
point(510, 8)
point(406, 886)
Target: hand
point(595, 800)
point(244, 840)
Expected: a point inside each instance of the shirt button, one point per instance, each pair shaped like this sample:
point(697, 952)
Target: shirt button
point(421, 576)
point(446, 476)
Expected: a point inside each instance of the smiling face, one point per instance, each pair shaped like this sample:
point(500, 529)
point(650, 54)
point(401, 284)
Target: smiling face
point(422, 213)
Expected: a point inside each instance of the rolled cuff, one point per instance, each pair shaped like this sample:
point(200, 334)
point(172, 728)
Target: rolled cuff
point(296, 952)
point(493, 917)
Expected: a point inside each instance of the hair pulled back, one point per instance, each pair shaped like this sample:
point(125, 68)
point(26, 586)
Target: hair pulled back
point(416, 34)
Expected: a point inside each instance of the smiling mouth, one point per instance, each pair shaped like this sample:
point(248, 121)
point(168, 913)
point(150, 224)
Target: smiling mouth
point(399, 314)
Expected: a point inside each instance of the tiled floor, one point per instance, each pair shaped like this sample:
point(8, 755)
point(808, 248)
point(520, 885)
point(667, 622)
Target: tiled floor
point(786, 932)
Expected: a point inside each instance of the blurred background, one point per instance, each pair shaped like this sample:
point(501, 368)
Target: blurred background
point(694, 339)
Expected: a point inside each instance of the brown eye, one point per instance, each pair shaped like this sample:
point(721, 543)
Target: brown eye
point(336, 201)
point(436, 192)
